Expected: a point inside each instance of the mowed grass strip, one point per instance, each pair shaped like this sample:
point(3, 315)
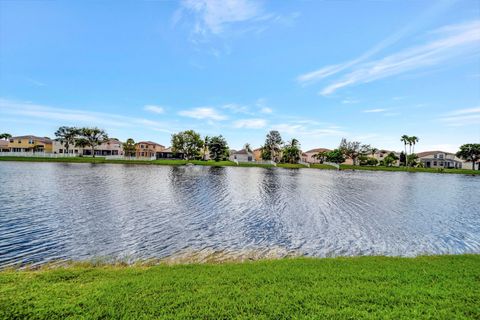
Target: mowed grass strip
point(434, 287)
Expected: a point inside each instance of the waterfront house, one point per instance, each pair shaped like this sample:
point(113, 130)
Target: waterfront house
point(4, 146)
point(111, 147)
point(382, 154)
point(30, 144)
point(148, 149)
point(440, 159)
point(308, 156)
point(169, 154)
point(242, 156)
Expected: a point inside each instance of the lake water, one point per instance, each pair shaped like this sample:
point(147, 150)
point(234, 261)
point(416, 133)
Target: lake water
point(56, 211)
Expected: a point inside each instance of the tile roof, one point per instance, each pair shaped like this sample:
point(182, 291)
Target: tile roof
point(317, 150)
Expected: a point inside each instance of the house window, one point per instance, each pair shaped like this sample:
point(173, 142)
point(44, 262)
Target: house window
point(440, 156)
point(31, 141)
point(19, 141)
point(11, 140)
point(441, 164)
point(434, 163)
point(60, 151)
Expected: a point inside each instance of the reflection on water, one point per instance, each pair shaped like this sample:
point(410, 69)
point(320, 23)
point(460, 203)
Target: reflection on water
point(59, 211)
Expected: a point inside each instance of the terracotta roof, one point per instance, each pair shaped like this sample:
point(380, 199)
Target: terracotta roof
point(258, 149)
point(150, 142)
point(426, 153)
point(41, 139)
point(317, 150)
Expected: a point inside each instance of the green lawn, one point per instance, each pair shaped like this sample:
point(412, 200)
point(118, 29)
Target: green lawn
point(322, 166)
point(435, 287)
point(230, 163)
point(382, 168)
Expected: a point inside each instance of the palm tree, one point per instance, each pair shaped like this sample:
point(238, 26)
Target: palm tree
point(373, 151)
point(413, 140)
point(405, 140)
point(247, 147)
point(5, 136)
point(205, 147)
point(67, 136)
point(93, 137)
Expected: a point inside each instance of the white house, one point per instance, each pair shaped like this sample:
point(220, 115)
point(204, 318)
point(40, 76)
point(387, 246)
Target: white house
point(242, 156)
point(441, 159)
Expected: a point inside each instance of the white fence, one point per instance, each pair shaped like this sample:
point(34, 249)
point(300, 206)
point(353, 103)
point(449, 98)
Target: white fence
point(37, 154)
point(129, 158)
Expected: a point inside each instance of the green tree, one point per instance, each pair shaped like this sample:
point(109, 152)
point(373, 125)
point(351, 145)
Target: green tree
point(412, 160)
point(273, 144)
point(205, 147)
point(291, 152)
point(129, 148)
point(92, 137)
point(5, 136)
point(353, 149)
point(403, 158)
point(390, 159)
point(187, 142)
point(470, 152)
point(218, 148)
point(413, 141)
point(406, 140)
point(321, 156)
point(335, 156)
point(67, 136)
point(247, 147)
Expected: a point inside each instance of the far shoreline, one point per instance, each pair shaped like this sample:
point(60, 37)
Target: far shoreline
point(177, 162)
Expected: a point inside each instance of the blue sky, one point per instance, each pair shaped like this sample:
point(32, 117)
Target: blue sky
point(314, 70)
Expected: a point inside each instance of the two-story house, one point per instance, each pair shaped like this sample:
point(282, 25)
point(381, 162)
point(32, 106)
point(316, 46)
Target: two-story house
point(148, 149)
point(30, 144)
point(440, 159)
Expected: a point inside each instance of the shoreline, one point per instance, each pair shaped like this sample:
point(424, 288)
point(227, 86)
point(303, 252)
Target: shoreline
point(343, 167)
point(443, 286)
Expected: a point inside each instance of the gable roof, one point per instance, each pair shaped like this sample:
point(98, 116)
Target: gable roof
point(317, 150)
point(41, 139)
point(150, 142)
point(426, 153)
point(243, 151)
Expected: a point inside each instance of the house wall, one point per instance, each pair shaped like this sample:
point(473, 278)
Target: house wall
point(28, 144)
point(143, 149)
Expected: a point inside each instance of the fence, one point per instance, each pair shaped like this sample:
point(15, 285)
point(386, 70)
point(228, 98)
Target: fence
point(37, 154)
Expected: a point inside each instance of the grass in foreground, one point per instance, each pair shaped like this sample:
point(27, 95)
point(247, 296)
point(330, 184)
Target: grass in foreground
point(439, 287)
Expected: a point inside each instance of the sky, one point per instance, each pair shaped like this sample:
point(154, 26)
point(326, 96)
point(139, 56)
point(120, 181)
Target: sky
point(316, 71)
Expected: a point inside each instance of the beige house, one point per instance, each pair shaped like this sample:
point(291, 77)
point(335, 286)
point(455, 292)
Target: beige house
point(148, 149)
point(112, 147)
point(30, 144)
point(381, 154)
point(441, 159)
point(242, 156)
point(308, 156)
point(4, 146)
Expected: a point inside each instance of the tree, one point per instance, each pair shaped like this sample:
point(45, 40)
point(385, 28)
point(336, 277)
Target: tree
point(405, 139)
point(403, 158)
point(247, 147)
point(413, 141)
point(291, 152)
point(67, 136)
point(5, 136)
point(205, 147)
point(321, 156)
point(129, 148)
point(187, 142)
point(373, 151)
point(335, 156)
point(470, 152)
point(412, 160)
point(273, 143)
point(266, 153)
point(218, 148)
point(353, 149)
point(390, 159)
point(93, 137)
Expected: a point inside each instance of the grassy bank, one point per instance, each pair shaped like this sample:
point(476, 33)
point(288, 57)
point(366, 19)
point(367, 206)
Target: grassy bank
point(431, 170)
point(436, 287)
point(231, 163)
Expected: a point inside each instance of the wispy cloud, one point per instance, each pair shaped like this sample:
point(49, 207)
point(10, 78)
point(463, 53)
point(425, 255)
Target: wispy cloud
point(236, 108)
point(452, 42)
point(203, 113)
point(462, 117)
point(250, 123)
point(350, 101)
point(35, 82)
point(262, 105)
point(76, 117)
point(375, 110)
point(213, 16)
point(154, 109)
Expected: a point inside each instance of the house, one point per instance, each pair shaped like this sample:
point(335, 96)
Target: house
point(257, 154)
point(382, 154)
point(309, 155)
point(147, 149)
point(30, 144)
point(440, 159)
point(169, 154)
point(242, 156)
point(111, 147)
point(4, 146)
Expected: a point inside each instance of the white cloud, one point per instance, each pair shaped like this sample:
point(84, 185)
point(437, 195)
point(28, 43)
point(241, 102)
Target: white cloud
point(212, 16)
point(76, 117)
point(455, 41)
point(462, 117)
point(250, 123)
point(235, 108)
point(350, 101)
point(262, 105)
point(203, 113)
point(374, 110)
point(154, 109)
point(266, 110)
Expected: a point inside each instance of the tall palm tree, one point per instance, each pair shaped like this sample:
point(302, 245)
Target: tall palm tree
point(405, 140)
point(413, 141)
point(247, 147)
point(205, 147)
point(373, 151)
point(93, 137)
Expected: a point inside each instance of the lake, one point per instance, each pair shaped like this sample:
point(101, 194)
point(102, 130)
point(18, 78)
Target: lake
point(64, 211)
